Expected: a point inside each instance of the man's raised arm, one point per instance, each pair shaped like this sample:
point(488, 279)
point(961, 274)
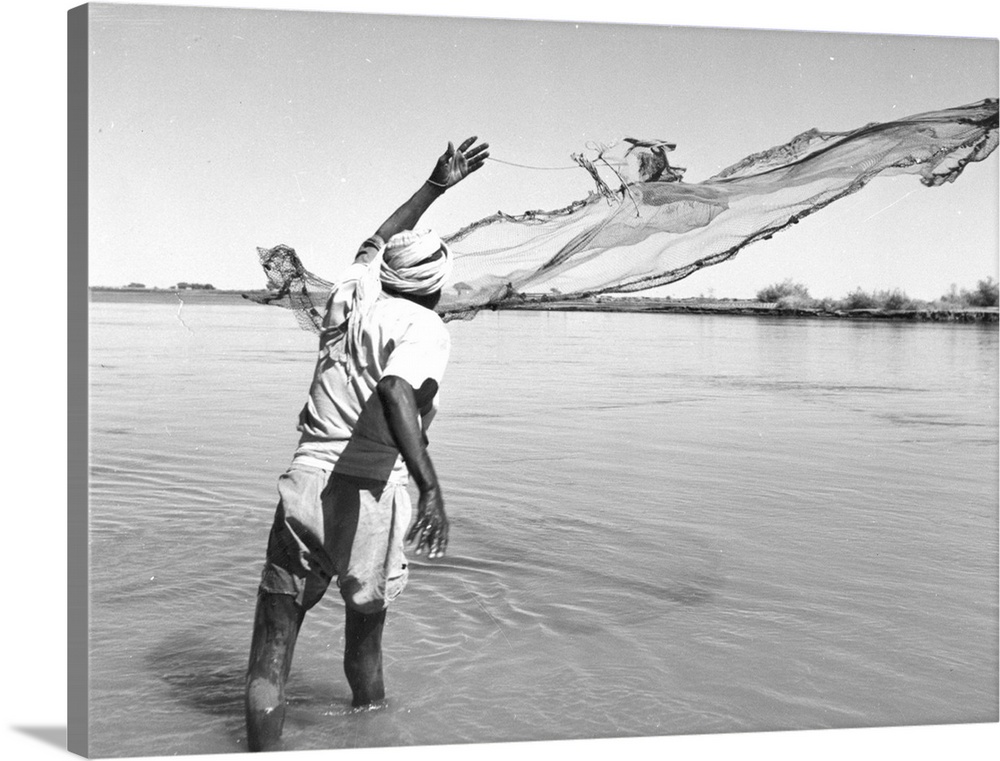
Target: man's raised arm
point(451, 168)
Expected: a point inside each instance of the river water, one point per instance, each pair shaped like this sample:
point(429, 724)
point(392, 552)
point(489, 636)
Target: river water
point(661, 524)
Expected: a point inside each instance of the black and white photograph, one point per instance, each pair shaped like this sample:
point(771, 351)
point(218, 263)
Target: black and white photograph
point(442, 381)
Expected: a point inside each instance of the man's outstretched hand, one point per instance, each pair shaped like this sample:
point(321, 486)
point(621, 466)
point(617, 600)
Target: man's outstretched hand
point(430, 529)
point(455, 165)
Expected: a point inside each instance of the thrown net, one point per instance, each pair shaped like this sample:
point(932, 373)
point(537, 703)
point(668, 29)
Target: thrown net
point(643, 226)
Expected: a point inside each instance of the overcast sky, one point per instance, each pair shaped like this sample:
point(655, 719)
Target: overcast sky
point(214, 131)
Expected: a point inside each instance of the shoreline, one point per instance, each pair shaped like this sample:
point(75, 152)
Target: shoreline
point(761, 309)
point(170, 295)
point(736, 307)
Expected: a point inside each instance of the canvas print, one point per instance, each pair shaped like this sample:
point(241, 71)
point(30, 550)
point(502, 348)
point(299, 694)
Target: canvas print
point(446, 380)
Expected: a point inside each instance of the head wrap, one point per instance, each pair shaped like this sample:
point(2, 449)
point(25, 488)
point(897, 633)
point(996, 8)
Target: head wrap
point(406, 265)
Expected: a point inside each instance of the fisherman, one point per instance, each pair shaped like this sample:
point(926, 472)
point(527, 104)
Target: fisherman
point(343, 508)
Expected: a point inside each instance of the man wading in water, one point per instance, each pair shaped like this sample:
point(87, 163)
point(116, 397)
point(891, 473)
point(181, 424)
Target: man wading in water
point(343, 507)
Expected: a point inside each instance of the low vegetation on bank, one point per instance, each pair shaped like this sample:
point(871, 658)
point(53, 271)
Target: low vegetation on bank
point(181, 286)
point(792, 295)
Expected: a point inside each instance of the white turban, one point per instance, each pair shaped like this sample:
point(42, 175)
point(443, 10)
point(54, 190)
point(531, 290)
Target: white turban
point(408, 266)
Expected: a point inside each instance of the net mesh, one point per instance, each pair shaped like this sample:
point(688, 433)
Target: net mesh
point(644, 227)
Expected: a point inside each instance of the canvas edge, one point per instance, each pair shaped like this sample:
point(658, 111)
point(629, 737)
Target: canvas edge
point(78, 455)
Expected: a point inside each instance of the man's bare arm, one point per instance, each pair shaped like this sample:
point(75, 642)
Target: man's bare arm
point(452, 167)
point(401, 405)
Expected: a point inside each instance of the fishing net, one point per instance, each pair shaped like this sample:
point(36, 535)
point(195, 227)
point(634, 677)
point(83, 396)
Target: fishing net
point(643, 226)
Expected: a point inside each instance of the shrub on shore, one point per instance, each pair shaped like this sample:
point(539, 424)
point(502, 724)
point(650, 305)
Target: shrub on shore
point(892, 301)
point(985, 295)
point(858, 299)
point(787, 289)
point(183, 286)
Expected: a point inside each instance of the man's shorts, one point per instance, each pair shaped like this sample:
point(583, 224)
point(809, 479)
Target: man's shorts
point(333, 526)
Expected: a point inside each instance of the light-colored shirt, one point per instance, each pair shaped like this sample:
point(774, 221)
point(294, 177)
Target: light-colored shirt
point(342, 424)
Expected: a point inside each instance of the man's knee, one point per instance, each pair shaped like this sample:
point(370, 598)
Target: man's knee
point(360, 599)
point(307, 592)
point(372, 595)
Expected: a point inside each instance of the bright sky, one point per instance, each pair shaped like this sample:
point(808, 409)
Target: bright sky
point(214, 131)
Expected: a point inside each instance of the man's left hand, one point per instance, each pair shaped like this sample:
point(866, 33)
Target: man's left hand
point(455, 165)
point(430, 529)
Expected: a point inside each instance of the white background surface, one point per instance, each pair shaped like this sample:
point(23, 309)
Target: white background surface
point(34, 614)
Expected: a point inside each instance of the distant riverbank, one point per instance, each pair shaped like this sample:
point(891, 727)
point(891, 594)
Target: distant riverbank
point(597, 304)
point(169, 296)
point(761, 309)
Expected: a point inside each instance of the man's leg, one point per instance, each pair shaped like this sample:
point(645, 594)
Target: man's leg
point(275, 629)
point(294, 578)
point(363, 656)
